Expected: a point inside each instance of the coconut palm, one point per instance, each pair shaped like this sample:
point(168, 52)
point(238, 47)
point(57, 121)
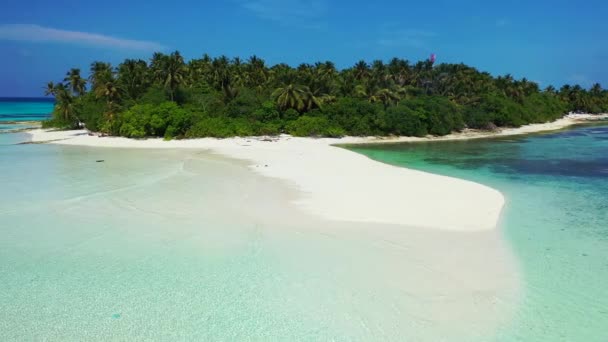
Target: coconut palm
point(170, 71)
point(110, 92)
point(596, 90)
point(199, 70)
point(133, 77)
point(49, 89)
point(361, 70)
point(76, 83)
point(281, 74)
point(399, 71)
point(101, 73)
point(157, 64)
point(346, 83)
point(551, 90)
point(65, 102)
point(379, 73)
point(256, 72)
point(295, 97)
point(385, 96)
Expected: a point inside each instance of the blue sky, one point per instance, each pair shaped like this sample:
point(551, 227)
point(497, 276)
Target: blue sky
point(551, 42)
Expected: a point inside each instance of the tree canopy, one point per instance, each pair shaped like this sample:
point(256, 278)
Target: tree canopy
point(173, 98)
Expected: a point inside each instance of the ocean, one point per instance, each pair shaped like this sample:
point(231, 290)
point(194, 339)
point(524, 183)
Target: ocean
point(186, 245)
point(23, 109)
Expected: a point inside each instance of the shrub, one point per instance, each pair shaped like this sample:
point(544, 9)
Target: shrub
point(150, 120)
point(243, 105)
point(155, 95)
point(306, 126)
point(266, 113)
point(58, 123)
point(91, 110)
point(290, 114)
point(402, 120)
point(355, 116)
point(222, 127)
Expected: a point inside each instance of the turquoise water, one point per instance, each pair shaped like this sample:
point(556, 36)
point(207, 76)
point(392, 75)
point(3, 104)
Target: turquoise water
point(23, 109)
point(185, 245)
point(556, 221)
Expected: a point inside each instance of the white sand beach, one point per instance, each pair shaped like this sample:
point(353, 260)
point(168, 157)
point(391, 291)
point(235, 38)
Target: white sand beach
point(341, 185)
point(338, 184)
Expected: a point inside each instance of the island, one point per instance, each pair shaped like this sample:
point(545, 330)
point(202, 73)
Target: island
point(221, 97)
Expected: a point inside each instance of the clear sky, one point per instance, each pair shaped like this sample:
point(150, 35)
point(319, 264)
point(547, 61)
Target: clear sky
point(547, 41)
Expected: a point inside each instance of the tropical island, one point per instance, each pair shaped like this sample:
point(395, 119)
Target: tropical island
point(221, 97)
point(443, 232)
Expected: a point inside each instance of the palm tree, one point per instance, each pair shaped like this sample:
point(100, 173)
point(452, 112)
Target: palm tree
point(529, 87)
point(322, 79)
point(379, 73)
point(111, 93)
point(596, 90)
point(346, 83)
point(551, 90)
point(385, 96)
point(101, 73)
point(256, 72)
point(65, 102)
point(399, 71)
point(132, 77)
point(49, 89)
point(200, 72)
point(295, 97)
point(76, 82)
point(157, 63)
point(169, 70)
point(282, 74)
point(361, 70)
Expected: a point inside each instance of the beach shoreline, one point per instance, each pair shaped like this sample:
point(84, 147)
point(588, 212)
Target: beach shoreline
point(341, 185)
point(193, 207)
point(469, 134)
point(335, 183)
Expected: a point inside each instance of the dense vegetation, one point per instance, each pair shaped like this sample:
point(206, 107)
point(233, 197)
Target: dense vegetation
point(221, 97)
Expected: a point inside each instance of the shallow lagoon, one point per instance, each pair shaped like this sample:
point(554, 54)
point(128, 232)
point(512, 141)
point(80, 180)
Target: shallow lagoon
point(175, 244)
point(556, 220)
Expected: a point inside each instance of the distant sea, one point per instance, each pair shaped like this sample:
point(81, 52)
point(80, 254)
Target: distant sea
point(23, 109)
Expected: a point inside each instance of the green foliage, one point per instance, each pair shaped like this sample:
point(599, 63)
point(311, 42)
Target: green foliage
point(290, 115)
point(222, 127)
point(266, 113)
point(308, 126)
point(442, 115)
point(243, 105)
point(402, 120)
point(58, 122)
point(89, 109)
point(165, 120)
point(543, 107)
point(154, 95)
point(221, 97)
point(355, 116)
